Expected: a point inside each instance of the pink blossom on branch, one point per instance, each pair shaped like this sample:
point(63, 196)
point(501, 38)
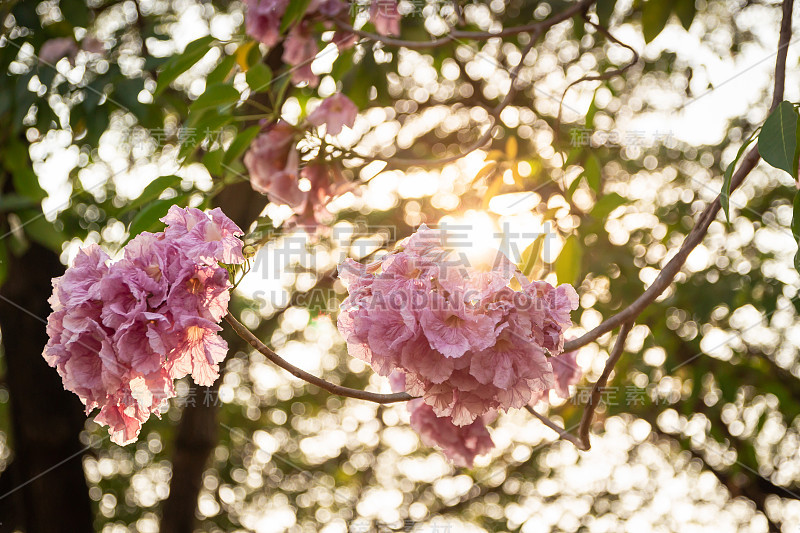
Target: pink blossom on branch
point(263, 20)
point(121, 333)
point(385, 16)
point(455, 333)
point(335, 112)
point(299, 50)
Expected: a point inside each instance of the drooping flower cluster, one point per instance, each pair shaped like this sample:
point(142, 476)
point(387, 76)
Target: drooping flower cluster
point(463, 339)
point(121, 333)
point(273, 162)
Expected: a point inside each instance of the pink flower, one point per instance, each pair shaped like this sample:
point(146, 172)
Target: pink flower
point(453, 329)
point(335, 112)
point(461, 338)
point(272, 162)
point(567, 372)
point(119, 334)
point(263, 20)
point(208, 239)
point(299, 50)
point(385, 16)
point(54, 50)
point(461, 444)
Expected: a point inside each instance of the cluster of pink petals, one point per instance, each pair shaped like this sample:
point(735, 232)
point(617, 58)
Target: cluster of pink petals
point(385, 16)
point(273, 162)
point(463, 339)
point(263, 22)
point(335, 112)
point(121, 333)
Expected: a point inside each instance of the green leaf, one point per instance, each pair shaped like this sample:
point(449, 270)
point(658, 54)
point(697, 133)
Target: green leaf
point(240, 144)
point(605, 8)
point(568, 263)
point(592, 172)
point(153, 190)
point(655, 14)
point(3, 262)
point(777, 142)
point(41, 230)
point(215, 95)
point(294, 12)
point(724, 195)
point(221, 71)
point(259, 77)
point(148, 218)
point(589, 121)
point(180, 63)
point(796, 217)
point(686, 10)
point(530, 256)
point(606, 205)
point(213, 161)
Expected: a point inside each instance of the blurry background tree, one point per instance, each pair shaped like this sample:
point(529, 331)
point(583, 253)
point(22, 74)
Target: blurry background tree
point(111, 111)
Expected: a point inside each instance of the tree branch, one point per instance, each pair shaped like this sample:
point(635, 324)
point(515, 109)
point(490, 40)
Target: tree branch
point(594, 399)
point(455, 34)
point(253, 341)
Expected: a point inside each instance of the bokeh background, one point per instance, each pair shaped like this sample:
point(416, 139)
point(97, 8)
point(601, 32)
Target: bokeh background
point(698, 429)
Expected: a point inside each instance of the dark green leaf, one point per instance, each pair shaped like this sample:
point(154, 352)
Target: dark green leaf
point(213, 161)
point(655, 14)
point(148, 218)
point(153, 190)
point(796, 217)
point(215, 95)
point(182, 62)
point(259, 77)
point(294, 12)
point(40, 230)
point(221, 71)
point(777, 142)
point(686, 10)
point(605, 8)
point(724, 195)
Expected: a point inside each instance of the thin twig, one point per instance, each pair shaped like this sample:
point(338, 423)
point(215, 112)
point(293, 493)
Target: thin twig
point(594, 399)
point(668, 273)
point(534, 27)
point(562, 433)
point(253, 341)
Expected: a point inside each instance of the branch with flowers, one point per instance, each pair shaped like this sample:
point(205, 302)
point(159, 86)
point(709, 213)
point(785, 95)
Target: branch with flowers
point(458, 341)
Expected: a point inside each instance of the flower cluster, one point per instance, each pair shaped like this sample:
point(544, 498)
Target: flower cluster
point(273, 161)
point(121, 333)
point(463, 339)
point(263, 22)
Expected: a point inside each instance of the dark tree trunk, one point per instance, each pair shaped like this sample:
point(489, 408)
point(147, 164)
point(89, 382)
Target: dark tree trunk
point(44, 488)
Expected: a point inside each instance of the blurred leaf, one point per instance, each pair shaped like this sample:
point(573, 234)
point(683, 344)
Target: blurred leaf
point(724, 195)
point(294, 12)
point(75, 11)
point(592, 172)
point(686, 10)
point(512, 147)
point(494, 187)
point(259, 77)
point(242, 53)
point(777, 142)
point(240, 144)
point(182, 62)
point(215, 95)
point(153, 190)
point(40, 230)
point(605, 8)
point(606, 204)
point(221, 71)
point(213, 161)
point(655, 14)
point(148, 218)
point(3, 262)
point(796, 216)
point(487, 170)
point(530, 256)
point(568, 262)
